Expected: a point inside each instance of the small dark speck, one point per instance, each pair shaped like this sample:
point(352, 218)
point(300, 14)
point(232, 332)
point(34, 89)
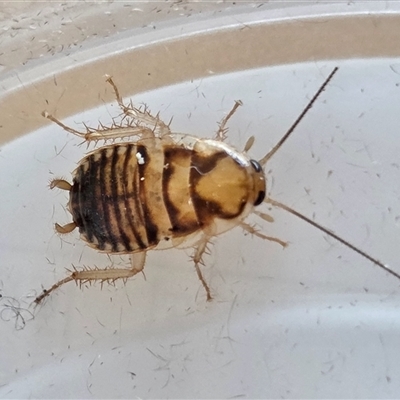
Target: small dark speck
point(148, 73)
point(388, 379)
point(395, 68)
point(132, 374)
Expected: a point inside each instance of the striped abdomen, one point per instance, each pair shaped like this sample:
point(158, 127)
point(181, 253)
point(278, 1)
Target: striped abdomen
point(129, 197)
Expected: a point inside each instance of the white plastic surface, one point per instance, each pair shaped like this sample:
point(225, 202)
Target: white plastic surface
point(313, 320)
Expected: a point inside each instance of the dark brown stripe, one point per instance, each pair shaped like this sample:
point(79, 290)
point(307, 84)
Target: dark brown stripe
point(85, 208)
point(115, 180)
point(84, 205)
point(201, 165)
point(106, 200)
point(179, 224)
point(134, 196)
point(136, 199)
point(207, 209)
point(173, 211)
point(95, 212)
point(75, 200)
point(87, 196)
point(151, 227)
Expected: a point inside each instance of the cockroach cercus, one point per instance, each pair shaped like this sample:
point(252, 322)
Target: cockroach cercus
point(165, 190)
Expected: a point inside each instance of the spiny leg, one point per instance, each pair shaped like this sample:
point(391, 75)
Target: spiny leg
point(253, 231)
point(115, 131)
point(221, 132)
point(197, 258)
point(159, 128)
point(103, 275)
point(82, 135)
point(118, 130)
point(46, 292)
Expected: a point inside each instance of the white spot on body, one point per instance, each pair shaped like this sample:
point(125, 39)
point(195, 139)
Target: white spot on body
point(140, 158)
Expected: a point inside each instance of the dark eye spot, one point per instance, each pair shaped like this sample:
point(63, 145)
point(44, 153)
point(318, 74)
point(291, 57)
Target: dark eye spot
point(260, 198)
point(256, 165)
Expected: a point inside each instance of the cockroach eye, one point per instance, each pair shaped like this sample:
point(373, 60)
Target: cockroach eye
point(260, 198)
point(257, 167)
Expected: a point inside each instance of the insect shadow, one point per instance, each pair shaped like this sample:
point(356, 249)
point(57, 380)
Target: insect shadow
point(163, 190)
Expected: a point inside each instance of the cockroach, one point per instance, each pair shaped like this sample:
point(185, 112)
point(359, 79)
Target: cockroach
point(161, 190)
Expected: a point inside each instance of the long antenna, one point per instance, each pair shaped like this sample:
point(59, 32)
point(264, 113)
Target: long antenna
point(278, 204)
point(332, 234)
point(264, 160)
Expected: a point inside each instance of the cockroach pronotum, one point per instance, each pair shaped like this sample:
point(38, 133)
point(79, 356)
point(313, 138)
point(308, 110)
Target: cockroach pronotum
point(165, 190)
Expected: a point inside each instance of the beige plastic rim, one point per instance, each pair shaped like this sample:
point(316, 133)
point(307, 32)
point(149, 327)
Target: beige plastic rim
point(177, 53)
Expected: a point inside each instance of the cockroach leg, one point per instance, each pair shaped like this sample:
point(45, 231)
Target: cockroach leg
point(45, 292)
point(221, 132)
point(158, 127)
point(116, 92)
point(45, 114)
point(197, 258)
point(253, 231)
point(137, 262)
point(115, 131)
point(136, 122)
point(104, 275)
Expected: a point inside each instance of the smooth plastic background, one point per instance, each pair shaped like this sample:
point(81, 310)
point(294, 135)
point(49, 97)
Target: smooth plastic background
point(313, 320)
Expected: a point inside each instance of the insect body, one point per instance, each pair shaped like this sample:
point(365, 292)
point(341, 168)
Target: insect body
point(156, 193)
point(164, 190)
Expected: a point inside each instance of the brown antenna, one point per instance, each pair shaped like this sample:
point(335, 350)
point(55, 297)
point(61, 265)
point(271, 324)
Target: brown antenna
point(265, 159)
point(332, 234)
point(275, 203)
